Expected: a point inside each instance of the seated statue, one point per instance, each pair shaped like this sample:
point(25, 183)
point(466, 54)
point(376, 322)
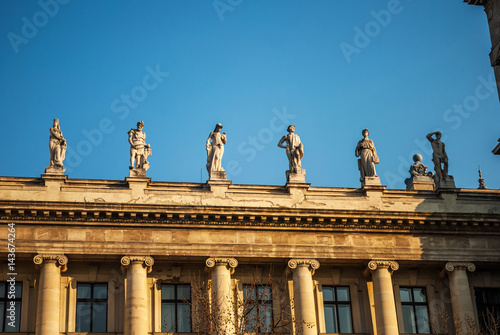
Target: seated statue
point(417, 169)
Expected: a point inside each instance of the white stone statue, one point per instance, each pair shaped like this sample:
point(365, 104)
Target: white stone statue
point(439, 155)
point(215, 150)
point(294, 149)
point(139, 150)
point(57, 148)
point(367, 154)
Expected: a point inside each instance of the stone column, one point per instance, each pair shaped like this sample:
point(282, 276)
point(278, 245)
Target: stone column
point(49, 292)
point(221, 270)
point(136, 304)
point(461, 300)
point(303, 291)
point(383, 295)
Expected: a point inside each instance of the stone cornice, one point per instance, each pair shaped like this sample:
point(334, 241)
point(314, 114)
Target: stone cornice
point(60, 259)
point(270, 218)
point(452, 266)
point(147, 261)
point(312, 264)
point(375, 264)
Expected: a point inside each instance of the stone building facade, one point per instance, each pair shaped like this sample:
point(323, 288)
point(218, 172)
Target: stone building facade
point(141, 257)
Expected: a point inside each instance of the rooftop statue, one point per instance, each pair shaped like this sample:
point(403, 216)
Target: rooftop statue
point(440, 160)
point(367, 154)
point(139, 151)
point(215, 151)
point(420, 179)
point(294, 149)
point(57, 148)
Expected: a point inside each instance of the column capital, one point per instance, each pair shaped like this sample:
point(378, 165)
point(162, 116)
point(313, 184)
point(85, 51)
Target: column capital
point(452, 266)
point(147, 261)
point(312, 264)
point(227, 261)
point(375, 264)
point(60, 259)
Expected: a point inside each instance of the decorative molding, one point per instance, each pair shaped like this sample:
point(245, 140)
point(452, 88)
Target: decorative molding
point(375, 264)
point(452, 266)
point(148, 261)
point(297, 262)
point(61, 260)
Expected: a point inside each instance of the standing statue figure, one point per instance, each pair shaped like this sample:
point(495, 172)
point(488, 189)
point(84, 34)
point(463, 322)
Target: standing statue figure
point(215, 150)
point(294, 149)
point(139, 150)
point(439, 156)
point(367, 154)
point(57, 145)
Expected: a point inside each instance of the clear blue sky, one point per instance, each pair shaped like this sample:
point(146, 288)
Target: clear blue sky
point(400, 68)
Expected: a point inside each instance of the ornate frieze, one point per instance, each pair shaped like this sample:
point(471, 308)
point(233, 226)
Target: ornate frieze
point(147, 261)
point(311, 263)
point(452, 266)
point(61, 260)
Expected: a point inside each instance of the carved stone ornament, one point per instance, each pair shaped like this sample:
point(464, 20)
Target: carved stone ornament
point(60, 259)
point(231, 262)
point(147, 260)
point(451, 266)
point(312, 263)
point(391, 266)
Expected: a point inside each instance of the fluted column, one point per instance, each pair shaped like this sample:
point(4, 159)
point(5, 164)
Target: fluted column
point(461, 300)
point(221, 270)
point(303, 289)
point(136, 305)
point(49, 292)
point(383, 295)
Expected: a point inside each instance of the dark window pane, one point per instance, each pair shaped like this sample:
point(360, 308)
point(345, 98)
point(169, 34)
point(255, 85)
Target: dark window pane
point(167, 316)
point(19, 290)
point(405, 294)
point(183, 292)
point(101, 291)
point(99, 312)
point(83, 316)
point(345, 319)
point(251, 319)
point(13, 326)
point(2, 290)
point(168, 292)
point(183, 318)
point(331, 319)
point(409, 319)
point(343, 294)
point(83, 291)
point(328, 294)
point(422, 319)
point(419, 294)
point(249, 292)
point(266, 317)
point(265, 293)
point(2, 308)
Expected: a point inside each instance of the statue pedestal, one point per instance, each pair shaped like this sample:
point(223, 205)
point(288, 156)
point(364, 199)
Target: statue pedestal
point(420, 183)
point(217, 175)
point(448, 182)
point(55, 170)
point(299, 177)
point(371, 181)
point(141, 173)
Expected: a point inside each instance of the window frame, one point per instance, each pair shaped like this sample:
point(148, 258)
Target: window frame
point(91, 301)
point(177, 301)
point(413, 303)
point(269, 303)
point(479, 307)
point(336, 304)
point(7, 301)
